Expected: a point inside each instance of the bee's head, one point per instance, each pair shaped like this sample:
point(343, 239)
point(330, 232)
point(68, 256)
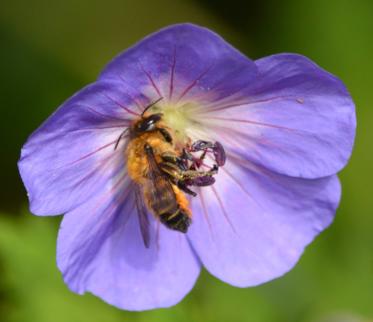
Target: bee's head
point(148, 123)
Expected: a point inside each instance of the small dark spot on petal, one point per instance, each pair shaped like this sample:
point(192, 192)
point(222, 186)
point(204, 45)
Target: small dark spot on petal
point(300, 100)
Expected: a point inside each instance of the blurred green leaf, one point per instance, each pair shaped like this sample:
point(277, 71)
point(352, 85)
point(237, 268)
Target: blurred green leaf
point(33, 284)
point(32, 288)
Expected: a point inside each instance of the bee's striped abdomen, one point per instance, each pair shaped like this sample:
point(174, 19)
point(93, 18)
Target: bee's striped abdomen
point(167, 208)
point(178, 220)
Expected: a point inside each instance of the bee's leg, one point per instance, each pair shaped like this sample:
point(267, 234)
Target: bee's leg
point(172, 170)
point(199, 178)
point(175, 174)
point(181, 175)
point(167, 136)
point(187, 156)
point(171, 158)
point(182, 186)
point(200, 181)
point(191, 174)
point(189, 177)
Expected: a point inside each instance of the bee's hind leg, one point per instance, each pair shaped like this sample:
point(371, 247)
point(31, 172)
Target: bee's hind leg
point(192, 174)
point(199, 178)
point(185, 178)
point(174, 172)
point(200, 181)
point(182, 186)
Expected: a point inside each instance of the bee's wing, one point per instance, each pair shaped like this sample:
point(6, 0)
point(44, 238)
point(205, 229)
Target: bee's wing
point(158, 184)
point(157, 188)
point(154, 170)
point(143, 216)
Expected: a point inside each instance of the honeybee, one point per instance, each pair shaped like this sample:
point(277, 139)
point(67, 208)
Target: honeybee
point(162, 172)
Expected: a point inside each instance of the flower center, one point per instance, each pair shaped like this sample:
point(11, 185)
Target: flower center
point(181, 118)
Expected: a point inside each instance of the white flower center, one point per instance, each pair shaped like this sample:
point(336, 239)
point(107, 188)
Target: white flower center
point(182, 118)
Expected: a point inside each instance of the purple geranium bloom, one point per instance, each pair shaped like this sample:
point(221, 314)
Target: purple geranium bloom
point(287, 127)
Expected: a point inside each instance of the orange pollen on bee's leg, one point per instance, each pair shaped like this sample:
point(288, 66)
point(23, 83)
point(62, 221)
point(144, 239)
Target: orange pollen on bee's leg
point(182, 200)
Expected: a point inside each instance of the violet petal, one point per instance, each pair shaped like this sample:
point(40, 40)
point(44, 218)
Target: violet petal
point(295, 119)
point(71, 156)
point(252, 226)
point(100, 250)
point(182, 62)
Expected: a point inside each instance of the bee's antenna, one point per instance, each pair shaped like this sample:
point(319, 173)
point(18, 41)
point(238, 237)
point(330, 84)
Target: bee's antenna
point(150, 105)
point(120, 137)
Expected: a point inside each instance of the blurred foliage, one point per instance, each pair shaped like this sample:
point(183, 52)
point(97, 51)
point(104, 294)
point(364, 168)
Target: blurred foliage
point(32, 289)
point(50, 49)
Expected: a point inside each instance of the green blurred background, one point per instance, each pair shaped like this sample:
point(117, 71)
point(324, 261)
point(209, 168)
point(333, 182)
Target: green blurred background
point(50, 49)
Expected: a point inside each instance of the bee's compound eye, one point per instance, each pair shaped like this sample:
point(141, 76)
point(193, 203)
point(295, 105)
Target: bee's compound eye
point(145, 125)
point(148, 124)
point(155, 118)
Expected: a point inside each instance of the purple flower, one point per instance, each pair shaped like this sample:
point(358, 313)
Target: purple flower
point(287, 128)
